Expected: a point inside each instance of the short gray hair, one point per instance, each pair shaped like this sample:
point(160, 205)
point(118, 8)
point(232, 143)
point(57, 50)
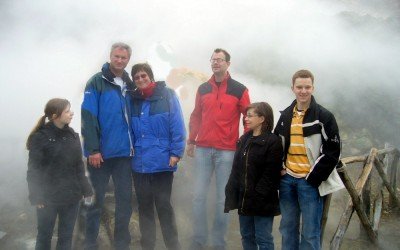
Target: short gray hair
point(122, 46)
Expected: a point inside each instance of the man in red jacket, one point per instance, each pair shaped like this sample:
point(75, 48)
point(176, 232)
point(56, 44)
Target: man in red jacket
point(214, 130)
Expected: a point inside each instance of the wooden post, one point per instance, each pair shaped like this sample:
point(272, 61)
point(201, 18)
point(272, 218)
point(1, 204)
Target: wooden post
point(327, 203)
point(390, 171)
point(377, 211)
point(366, 204)
point(355, 203)
point(342, 226)
point(379, 166)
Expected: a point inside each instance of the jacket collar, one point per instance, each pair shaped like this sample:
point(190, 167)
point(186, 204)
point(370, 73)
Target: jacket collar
point(260, 140)
point(160, 85)
point(289, 110)
point(107, 74)
point(224, 81)
point(51, 126)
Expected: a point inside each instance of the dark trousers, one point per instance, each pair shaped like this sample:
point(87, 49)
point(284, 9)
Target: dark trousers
point(46, 218)
point(120, 171)
point(155, 189)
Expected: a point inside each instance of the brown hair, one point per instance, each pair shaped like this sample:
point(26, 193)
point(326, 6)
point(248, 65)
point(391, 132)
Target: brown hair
point(227, 56)
point(303, 73)
point(263, 109)
point(142, 67)
point(54, 106)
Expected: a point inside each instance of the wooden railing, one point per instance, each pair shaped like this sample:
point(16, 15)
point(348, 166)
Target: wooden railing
point(386, 162)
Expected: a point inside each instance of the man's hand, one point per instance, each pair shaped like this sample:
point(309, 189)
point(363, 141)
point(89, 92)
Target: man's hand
point(173, 160)
point(95, 160)
point(190, 150)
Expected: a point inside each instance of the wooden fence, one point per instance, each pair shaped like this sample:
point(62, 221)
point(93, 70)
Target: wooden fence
point(386, 163)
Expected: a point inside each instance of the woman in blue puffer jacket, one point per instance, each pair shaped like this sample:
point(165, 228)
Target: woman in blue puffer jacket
point(159, 143)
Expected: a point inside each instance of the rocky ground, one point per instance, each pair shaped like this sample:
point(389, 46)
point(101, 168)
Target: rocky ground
point(18, 224)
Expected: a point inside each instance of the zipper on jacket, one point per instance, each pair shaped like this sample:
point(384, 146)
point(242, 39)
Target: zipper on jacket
point(245, 177)
point(131, 151)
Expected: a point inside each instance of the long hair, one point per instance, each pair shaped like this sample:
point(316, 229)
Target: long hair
point(55, 107)
point(263, 109)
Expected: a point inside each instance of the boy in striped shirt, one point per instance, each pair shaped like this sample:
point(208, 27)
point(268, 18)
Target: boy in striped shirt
point(311, 143)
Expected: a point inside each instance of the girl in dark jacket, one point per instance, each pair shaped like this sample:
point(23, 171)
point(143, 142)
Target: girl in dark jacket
point(56, 176)
point(253, 184)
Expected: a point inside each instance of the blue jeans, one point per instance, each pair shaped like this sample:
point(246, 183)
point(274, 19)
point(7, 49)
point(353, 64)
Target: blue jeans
point(46, 218)
point(208, 161)
point(256, 232)
point(120, 170)
point(297, 199)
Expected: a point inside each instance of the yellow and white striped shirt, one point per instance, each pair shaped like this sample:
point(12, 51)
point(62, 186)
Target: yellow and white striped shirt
point(297, 163)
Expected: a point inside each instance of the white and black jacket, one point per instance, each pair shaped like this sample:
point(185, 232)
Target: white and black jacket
point(321, 138)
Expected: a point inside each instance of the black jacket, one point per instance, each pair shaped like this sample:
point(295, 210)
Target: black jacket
point(321, 138)
point(56, 172)
point(254, 181)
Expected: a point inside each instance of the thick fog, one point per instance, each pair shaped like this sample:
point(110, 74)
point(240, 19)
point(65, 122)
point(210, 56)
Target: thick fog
point(51, 48)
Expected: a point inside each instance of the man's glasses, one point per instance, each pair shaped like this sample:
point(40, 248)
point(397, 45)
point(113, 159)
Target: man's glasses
point(217, 60)
point(140, 76)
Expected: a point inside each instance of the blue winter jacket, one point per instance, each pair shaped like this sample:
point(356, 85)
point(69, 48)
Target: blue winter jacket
point(105, 116)
point(158, 128)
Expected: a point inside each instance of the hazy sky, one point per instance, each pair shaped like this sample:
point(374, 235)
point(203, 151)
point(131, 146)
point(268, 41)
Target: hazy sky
point(51, 48)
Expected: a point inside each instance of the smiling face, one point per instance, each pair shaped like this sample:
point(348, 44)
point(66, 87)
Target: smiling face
point(253, 120)
point(303, 89)
point(219, 65)
point(119, 58)
point(142, 79)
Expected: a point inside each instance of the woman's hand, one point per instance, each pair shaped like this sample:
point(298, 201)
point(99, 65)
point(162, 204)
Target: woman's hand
point(173, 160)
point(40, 206)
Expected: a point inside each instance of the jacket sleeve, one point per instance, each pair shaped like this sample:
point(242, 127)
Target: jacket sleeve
point(80, 172)
point(176, 126)
point(232, 186)
point(330, 153)
point(270, 179)
point(195, 119)
point(89, 119)
point(277, 126)
point(244, 102)
point(35, 169)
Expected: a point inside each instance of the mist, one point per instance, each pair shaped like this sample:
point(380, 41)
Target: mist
point(51, 48)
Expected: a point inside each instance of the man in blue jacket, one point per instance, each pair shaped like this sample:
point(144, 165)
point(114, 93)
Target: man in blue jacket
point(108, 145)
